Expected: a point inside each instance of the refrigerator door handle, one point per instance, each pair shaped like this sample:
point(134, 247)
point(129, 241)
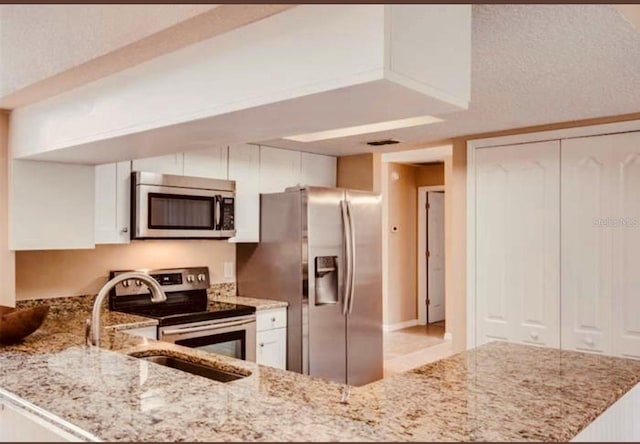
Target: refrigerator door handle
point(346, 234)
point(352, 240)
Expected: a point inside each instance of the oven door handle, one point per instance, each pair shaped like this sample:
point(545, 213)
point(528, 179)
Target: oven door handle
point(212, 327)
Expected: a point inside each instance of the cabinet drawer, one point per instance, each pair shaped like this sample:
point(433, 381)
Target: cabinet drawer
point(268, 319)
point(271, 348)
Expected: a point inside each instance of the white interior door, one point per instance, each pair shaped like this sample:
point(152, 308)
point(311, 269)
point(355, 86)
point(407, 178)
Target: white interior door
point(435, 260)
point(517, 243)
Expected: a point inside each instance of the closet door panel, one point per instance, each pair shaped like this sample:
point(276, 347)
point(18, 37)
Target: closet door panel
point(517, 262)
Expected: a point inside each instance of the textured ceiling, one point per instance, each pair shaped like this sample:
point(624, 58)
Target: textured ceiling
point(38, 41)
point(531, 65)
point(47, 57)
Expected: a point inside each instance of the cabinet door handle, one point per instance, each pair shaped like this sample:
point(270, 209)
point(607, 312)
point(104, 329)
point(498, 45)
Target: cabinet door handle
point(589, 341)
point(262, 344)
point(124, 230)
point(534, 335)
point(273, 319)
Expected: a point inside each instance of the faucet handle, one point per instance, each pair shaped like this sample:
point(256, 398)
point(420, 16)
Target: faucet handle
point(87, 332)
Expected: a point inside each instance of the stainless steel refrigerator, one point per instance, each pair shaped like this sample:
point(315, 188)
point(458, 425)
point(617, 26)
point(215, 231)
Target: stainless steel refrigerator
point(320, 251)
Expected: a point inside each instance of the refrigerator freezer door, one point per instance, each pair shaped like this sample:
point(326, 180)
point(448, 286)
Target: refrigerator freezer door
point(326, 323)
point(364, 322)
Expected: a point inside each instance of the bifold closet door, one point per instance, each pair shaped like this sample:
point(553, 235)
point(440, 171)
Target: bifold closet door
point(517, 243)
point(601, 244)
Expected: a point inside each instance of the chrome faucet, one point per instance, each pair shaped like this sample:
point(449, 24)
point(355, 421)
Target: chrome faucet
point(157, 295)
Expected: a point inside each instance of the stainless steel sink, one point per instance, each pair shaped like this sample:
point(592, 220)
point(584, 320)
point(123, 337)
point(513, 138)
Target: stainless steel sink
point(195, 369)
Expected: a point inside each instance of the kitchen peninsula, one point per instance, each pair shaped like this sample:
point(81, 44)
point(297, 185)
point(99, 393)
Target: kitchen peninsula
point(498, 391)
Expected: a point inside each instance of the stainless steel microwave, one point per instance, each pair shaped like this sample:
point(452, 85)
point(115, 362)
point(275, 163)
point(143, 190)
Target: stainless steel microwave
point(165, 206)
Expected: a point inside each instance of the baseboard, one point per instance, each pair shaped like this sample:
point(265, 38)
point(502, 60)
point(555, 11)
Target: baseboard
point(400, 325)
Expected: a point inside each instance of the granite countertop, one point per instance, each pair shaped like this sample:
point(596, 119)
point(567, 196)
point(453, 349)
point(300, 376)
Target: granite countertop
point(226, 292)
point(498, 391)
point(260, 304)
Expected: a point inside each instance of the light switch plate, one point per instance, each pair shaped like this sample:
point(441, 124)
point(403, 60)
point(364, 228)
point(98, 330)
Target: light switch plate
point(229, 270)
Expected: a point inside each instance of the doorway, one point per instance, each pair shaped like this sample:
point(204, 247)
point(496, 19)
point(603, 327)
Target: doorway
point(406, 179)
point(431, 259)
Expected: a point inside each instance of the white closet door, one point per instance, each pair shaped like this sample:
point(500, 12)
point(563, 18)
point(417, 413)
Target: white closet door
point(601, 244)
point(626, 246)
point(586, 244)
point(517, 236)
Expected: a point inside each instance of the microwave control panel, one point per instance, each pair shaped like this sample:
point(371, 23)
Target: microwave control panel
point(227, 214)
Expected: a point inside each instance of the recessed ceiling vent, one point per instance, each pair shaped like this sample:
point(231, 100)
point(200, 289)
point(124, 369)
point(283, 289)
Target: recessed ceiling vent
point(383, 142)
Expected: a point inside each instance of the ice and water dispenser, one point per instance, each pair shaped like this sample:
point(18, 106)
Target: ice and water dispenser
point(326, 280)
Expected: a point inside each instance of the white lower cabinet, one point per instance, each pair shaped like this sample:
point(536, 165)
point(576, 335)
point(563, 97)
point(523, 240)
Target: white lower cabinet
point(619, 423)
point(17, 425)
point(272, 348)
point(271, 337)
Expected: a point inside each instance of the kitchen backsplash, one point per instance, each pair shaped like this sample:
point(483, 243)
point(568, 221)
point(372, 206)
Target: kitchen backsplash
point(60, 273)
point(222, 289)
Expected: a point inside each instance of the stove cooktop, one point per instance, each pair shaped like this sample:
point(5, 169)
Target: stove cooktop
point(187, 299)
point(171, 314)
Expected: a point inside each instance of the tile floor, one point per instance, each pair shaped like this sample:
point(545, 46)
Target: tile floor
point(414, 346)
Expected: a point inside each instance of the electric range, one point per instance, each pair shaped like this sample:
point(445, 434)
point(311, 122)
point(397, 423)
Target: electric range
point(187, 317)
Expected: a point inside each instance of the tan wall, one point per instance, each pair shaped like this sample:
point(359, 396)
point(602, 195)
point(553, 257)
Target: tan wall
point(359, 172)
point(430, 175)
point(455, 281)
point(402, 253)
point(7, 276)
point(57, 273)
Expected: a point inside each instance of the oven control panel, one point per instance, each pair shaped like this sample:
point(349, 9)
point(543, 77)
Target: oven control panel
point(171, 279)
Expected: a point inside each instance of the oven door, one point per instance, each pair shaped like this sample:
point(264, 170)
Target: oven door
point(234, 337)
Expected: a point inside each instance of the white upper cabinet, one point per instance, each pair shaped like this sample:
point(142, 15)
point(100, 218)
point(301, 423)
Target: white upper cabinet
point(51, 206)
point(244, 168)
point(271, 170)
point(208, 162)
point(279, 169)
point(317, 170)
point(169, 164)
point(518, 245)
point(112, 203)
point(601, 244)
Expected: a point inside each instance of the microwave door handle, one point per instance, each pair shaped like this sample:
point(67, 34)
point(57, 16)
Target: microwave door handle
point(217, 213)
